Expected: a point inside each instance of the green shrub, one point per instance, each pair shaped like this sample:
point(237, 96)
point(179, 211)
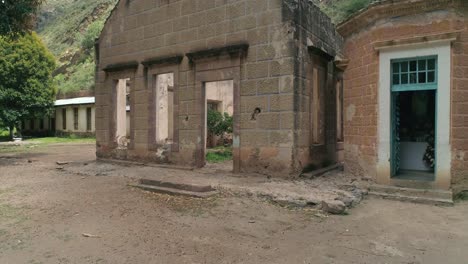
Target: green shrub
point(340, 10)
point(218, 123)
point(92, 33)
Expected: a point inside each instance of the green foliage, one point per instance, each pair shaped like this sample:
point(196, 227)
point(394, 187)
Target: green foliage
point(218, 123)
point(26, 84)
point(340, 10)
point(92, 33)
point(69, 28)
point(77, 77)
point(63, 24)
point(17, 16)
point(219, 154)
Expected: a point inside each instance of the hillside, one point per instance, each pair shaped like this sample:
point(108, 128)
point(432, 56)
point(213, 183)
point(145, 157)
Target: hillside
point(69, 27)
point(339, 10)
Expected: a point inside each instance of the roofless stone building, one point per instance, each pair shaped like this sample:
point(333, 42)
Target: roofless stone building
point(278, 55)
point(388, 94)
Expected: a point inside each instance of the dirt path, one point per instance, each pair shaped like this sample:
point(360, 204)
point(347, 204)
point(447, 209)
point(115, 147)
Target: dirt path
point(44, 213)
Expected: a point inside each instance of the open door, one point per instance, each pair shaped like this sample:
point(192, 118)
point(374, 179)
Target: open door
point(395, 140)
point(413, 119)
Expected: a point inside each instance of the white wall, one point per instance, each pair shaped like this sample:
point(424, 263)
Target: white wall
point(82, 122)
point(164, 108)
point(222, 92)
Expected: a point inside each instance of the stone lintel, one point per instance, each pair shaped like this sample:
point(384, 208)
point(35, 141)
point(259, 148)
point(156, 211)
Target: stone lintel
point(132, 65)
point(317, 51)
point(232, 49)
point(177, 59)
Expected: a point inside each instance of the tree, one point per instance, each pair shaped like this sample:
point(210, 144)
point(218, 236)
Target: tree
point(26, 83)
point(219, 124)
point(18, 16)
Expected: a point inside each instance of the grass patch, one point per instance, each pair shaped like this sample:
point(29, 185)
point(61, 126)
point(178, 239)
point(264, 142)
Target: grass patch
point(219, 154)
point(34, 143)
point(58, 140)
point(11, 215)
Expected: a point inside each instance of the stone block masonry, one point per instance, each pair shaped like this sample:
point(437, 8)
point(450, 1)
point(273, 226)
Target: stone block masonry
point(252, 43)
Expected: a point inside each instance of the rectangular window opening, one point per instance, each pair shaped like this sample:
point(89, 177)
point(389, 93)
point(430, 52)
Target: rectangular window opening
point(122, 112)
point(410, 72)
point(75, 118)
point(88, 119)
point(164, 108)
point(64, 118)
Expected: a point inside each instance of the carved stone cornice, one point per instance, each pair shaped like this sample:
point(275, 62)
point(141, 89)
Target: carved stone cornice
point(132, 65)
point(232, 49)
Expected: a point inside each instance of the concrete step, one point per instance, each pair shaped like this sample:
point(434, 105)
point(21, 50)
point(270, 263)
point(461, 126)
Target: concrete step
point(176, 185)
point(178, 189)
point(436, 197)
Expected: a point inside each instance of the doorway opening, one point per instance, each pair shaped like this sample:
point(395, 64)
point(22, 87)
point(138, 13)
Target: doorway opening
point(414, 109)
point(122, 112)
point(219, 124)
point(164, 108)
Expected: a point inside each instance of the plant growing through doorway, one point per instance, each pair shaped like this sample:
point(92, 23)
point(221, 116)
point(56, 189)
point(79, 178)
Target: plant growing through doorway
point(219, 124)
point(219, 154)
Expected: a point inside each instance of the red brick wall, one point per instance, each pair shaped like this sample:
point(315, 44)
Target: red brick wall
point(361, 88)
point(460, 109)
point(360, 105)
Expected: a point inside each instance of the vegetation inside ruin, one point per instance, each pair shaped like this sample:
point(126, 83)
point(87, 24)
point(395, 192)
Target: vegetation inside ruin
point(219, 154)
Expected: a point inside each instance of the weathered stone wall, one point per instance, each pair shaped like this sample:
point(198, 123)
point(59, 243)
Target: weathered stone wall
point(141, 30)
point(314, 34)
point(361, 77)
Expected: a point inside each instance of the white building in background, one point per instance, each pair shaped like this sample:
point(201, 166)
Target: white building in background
point(71, 116)
point(75, 116)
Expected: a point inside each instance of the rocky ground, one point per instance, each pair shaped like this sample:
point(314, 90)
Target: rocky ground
point(85, 212)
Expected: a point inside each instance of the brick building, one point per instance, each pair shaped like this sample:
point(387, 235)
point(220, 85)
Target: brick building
point(278, 55)
point(406, 88)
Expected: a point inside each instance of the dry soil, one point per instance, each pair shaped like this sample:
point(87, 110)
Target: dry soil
point(50, 215)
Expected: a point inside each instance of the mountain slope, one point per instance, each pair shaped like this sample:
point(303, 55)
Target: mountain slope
point(68, 28)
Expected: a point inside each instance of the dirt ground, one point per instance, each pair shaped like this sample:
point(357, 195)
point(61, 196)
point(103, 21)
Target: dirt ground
point(44, 212)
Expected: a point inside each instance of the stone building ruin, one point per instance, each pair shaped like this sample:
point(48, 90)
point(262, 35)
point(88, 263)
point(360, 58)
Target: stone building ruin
point(304, 92)
point(277, 55)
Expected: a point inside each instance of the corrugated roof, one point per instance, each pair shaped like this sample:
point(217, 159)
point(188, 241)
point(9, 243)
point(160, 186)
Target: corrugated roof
point(75, 101)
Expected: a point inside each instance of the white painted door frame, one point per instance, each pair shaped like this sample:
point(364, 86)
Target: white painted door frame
point(441, 49)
